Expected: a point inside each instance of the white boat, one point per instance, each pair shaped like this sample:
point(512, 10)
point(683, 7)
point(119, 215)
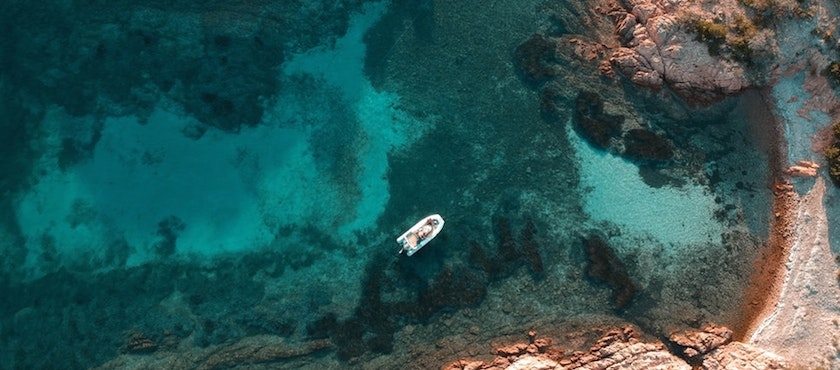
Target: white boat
point(420, 234)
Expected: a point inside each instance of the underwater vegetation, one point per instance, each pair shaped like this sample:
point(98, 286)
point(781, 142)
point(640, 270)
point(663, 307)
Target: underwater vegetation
point(832, 154)
point(750, 36)
point(713, 34)
point(376, 319)
point(534, 60)
point(605, 267)
point(508, 257)
point(604, 131)
point(833, 72)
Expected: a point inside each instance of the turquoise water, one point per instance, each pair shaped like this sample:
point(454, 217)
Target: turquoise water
point(185, 181)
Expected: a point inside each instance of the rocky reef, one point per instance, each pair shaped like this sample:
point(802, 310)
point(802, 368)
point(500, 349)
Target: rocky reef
point(509, 255)
point(606, 268)
point(216, 65)
point(606, 132)
point(592, 123)
point(702, 54)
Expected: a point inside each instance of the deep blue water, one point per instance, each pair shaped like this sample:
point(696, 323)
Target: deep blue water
point(181, 181)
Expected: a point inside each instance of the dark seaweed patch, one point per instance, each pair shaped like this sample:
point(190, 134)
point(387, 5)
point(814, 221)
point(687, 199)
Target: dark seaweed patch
point(605, 267)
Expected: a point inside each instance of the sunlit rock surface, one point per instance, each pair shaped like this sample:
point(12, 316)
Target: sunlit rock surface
point(657, 51)
point(622, 349)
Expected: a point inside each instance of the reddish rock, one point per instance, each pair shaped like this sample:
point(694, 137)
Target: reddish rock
point(542, 344)
point(654, 55)
point(512, 350)
point(803, 169)
point(616, 349)
point(740, 356)
point(464, 365)
point(696, 343)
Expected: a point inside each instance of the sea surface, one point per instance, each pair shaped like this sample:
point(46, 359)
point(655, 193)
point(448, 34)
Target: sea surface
point(183, 180)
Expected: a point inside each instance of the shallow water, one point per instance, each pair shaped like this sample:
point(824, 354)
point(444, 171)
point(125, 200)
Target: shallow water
point(182, 178)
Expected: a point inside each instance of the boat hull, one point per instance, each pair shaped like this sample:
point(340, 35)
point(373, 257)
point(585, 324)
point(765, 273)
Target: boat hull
point(420, 234)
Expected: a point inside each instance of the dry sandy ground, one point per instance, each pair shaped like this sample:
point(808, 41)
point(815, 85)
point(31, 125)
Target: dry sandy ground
point(804, 325)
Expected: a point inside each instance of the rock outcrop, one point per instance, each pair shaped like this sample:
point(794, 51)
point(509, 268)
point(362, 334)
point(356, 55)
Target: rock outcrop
point(617, 349)
point(693, 344)
point(621, 348)
point(803, 169)
point(655, 53)
point(742, 356)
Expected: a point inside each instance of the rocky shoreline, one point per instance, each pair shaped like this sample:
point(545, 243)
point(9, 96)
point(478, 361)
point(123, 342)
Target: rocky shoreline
point(653, 52)
point(621, 348)
point(713, 347)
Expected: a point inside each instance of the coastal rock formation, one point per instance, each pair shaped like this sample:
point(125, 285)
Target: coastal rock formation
point(616, 349)
point(803, 169)
point(646, 145)
point(693, 344)
point(742, 356)
point(535, 59)
point(621, 348)
point(655, 53)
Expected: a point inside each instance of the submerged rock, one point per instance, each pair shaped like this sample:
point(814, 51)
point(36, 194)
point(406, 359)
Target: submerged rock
point(590, 121)
point(215, 61)
point(535, 59)
point(531, 249)
point(509, 256)
point(604, 266)
point(645, 145)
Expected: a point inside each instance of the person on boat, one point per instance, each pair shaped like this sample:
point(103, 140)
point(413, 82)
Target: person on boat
point(424, 231)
